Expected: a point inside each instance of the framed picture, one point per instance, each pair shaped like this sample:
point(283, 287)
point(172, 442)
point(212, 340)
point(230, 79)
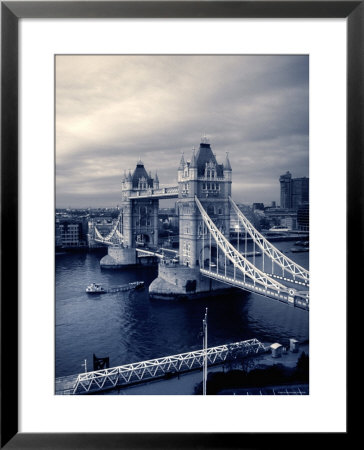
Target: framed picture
point(38, 180)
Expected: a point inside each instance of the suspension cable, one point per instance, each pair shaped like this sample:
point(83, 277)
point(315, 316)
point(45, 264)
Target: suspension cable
point(244, 265)
point(271, 251)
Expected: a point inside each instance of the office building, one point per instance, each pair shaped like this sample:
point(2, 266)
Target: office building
point(294, 191)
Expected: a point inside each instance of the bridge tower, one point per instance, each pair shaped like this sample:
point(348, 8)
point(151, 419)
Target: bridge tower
point(204, 177)
point(139, 216)
point(201, 176)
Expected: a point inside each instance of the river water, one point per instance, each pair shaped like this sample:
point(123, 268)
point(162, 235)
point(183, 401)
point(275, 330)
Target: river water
point(129, 327)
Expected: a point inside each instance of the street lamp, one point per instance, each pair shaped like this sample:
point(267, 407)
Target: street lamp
point(204, 323)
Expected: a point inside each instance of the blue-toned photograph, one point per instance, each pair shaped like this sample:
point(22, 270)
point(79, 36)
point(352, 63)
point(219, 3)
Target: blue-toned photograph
point(182, 225)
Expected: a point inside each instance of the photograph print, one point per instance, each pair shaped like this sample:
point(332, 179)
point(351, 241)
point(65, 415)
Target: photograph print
point(182, 225)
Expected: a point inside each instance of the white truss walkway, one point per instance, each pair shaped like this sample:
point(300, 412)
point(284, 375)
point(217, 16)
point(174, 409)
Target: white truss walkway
point(99, 380)
point(272, 252)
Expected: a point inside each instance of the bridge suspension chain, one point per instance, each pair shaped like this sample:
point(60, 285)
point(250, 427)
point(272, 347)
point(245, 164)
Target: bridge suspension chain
point(278, 257)
point(113, 233)
point(239, 261)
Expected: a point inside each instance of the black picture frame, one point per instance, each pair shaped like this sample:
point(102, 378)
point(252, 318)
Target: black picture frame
point(11, 12)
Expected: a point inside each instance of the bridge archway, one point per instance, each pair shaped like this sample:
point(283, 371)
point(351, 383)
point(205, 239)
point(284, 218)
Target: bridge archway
point(143, 239)
point(206, 255)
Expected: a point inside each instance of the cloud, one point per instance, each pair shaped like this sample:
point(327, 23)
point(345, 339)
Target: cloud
point(111, 110)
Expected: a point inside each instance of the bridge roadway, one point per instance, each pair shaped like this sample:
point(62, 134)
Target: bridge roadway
point(159, 253)
point(106, 379)
point(237, 279)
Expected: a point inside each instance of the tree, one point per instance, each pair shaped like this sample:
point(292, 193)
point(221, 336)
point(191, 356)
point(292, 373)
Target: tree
point(302, 367)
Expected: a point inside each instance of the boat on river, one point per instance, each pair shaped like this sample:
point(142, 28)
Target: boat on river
point(95, 288)
point(278, 228)
point(300, 246)
point(128, 287)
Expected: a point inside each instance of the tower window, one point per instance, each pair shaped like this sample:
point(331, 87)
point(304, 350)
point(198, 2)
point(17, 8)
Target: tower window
point(210, 210)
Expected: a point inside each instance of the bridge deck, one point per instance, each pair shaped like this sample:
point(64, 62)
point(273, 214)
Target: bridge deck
point(142, 252)
point(150, 252)
point(247, 284)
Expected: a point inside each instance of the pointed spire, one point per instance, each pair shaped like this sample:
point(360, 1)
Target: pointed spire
point(156, 177)
point(129, 176)
point(205, 139)
point(193, 159)
point(182, 163)
point(227, 165)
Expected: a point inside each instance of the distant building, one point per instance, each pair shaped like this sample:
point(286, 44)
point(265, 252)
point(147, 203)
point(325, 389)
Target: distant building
point(294, 191)
point(58, 237)
point(168, 216)
point(286, 190)
point(71, 233)
point(303, 217)
point(282, 216)
point(258, 206)
point(300, 192)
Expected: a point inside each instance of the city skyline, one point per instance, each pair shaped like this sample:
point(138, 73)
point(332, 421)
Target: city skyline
point(113, 110)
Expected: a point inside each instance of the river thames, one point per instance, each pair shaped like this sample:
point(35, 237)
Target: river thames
point(130, 327)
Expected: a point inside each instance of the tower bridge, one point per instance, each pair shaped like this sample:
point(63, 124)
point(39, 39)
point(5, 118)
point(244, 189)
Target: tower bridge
point(207, 262)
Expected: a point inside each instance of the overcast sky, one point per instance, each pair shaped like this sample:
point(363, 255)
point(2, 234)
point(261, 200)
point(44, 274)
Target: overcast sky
point(112, 109)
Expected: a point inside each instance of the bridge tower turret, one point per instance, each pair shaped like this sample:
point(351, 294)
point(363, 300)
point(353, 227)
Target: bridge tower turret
point(156, 181)
point(181, 168)
point(210, 181)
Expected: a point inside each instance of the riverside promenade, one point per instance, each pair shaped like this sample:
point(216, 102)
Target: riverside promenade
point(185, 383)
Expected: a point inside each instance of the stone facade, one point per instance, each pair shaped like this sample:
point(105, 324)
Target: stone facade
point(118, 257)
point(203, 177)
point(139, 218)
point(210, 182)
point(181, 282)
